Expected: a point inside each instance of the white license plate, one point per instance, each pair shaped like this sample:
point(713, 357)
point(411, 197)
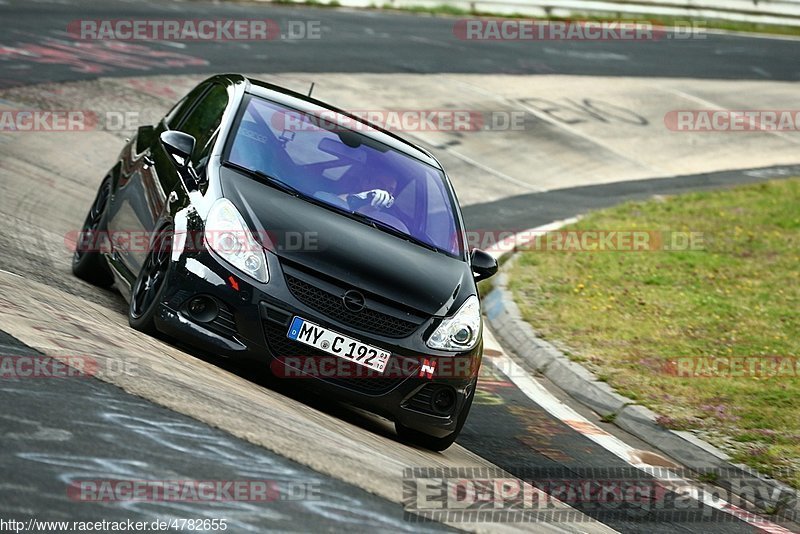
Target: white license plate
point(337, 344)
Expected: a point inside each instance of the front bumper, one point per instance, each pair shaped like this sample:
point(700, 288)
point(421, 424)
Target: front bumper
point(253, 322)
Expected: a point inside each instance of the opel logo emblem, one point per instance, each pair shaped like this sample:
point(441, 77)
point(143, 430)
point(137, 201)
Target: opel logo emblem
point(353, 300)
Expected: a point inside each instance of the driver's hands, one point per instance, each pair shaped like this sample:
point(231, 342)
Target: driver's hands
point(379, 197)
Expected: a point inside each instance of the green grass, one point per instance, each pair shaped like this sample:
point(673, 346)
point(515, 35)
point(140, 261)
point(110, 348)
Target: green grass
point(668, 21)
point(441, 9)
point(627, 315)
point(709, 477)
point(608, 418)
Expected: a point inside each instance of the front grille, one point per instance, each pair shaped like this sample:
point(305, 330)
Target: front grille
point(355, 377)
point(331, 306)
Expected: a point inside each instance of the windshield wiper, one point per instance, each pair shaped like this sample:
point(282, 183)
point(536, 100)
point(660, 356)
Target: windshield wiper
point(267, 178)
point(389, 229)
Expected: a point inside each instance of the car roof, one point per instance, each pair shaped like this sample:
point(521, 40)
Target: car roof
point(312, 106)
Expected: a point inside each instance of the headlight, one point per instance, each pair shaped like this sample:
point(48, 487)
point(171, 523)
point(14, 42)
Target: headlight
point(460, 331)
point(227, 234)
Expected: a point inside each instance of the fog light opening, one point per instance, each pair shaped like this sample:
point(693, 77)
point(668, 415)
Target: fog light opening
point(443, 401)
point(202, 309)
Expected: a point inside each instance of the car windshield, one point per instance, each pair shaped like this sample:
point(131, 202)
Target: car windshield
point(347, 171)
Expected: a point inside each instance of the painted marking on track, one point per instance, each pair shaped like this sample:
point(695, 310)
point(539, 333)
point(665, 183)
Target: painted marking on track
point(12, 274)
point(584, 427)
point(567, 128)
point(787, 136)
point(594, 56)
point(481, 166)
point(95, 57)
point(425, 40)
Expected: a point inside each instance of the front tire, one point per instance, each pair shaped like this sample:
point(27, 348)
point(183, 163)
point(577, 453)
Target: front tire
point(426, 441)
point(88, 263)
point(151, 283)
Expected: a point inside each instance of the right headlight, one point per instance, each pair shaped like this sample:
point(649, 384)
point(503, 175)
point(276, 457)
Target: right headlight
point(227, 234)
point(460, 331)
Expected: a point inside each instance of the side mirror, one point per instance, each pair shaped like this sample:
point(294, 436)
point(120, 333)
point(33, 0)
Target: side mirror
point(179, 146)
point(483, 265)
point(145, 136)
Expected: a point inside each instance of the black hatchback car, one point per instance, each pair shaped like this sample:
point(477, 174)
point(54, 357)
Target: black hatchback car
point(255, 222)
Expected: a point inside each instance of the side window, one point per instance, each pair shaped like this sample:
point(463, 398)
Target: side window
point(203, 121)
point(179, 110)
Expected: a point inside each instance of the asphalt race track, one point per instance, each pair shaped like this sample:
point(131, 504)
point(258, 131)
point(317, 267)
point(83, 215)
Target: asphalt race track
point(374, 42)
point(160, 412)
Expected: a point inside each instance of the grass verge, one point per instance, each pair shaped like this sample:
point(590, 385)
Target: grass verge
point(666, 21)
point(667, 328)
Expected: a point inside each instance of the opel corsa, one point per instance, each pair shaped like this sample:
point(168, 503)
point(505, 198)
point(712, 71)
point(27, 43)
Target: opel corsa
point(255, 222)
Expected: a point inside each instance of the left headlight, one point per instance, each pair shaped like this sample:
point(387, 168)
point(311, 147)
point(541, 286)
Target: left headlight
point(227, 234)
point(460, 331)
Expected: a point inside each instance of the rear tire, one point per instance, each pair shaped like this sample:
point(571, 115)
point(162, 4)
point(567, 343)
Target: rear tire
point(151, 283)
point(88, 262)
point(426, 441)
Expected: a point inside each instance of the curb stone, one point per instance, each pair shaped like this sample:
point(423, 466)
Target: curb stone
point(519, 338)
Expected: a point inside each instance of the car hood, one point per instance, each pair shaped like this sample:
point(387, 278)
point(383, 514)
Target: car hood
point(346, 250)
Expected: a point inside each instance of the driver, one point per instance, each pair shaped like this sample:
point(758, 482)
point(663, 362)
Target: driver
point(381, 194)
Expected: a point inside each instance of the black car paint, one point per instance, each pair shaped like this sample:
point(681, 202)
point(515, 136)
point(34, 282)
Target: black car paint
point(345, 249)
point(149, 192)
